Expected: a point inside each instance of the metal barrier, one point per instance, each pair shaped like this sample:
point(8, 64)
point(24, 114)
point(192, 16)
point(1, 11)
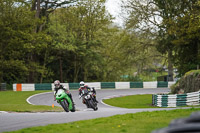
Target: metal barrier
point(2, 86)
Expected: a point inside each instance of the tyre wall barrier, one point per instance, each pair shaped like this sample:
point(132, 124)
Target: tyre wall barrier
point(74, 85)
point(23, 87)
point(136, 84)
point(176, 100)
point(161, 84)
point(107, 85)
point(96, 85)
point(149, 84)
point(44, 86)
point(122, 85)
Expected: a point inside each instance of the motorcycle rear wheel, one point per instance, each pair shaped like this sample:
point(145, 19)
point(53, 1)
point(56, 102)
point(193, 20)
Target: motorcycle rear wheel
point(73, 108)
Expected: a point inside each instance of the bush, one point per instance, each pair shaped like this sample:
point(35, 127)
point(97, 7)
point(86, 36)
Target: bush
point(190, 82)
point(175, 88)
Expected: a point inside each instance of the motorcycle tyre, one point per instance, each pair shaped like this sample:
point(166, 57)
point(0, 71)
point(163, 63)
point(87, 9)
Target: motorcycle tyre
point(64, 104)
point(73, 108)
point(92, 105)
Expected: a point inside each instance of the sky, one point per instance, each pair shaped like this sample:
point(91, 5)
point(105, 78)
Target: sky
point(113, 7)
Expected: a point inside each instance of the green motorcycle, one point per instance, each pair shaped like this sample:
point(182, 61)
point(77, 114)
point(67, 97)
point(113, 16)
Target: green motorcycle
point(65, 101)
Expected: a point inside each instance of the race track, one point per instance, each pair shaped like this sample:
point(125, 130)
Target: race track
point(16, 121)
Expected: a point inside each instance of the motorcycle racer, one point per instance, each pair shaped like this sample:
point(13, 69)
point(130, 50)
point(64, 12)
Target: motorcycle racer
point(59, 86)
point(82, 87)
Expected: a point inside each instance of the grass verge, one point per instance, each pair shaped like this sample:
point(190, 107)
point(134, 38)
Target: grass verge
point(143, 122)
point(16, 101)
point(133, 101)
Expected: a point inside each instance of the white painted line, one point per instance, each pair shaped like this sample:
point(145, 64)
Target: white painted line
point(106, 104)
point(3, 112)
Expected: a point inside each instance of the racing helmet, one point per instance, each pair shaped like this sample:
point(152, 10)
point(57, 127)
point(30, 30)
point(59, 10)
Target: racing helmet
point(57, 84)
point(82, 84)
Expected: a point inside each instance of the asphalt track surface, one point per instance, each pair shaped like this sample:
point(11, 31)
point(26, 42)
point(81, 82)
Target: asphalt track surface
point(15, 121)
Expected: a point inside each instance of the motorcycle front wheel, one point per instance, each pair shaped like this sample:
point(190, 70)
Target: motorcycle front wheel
point(93, 105)
point(64, 104)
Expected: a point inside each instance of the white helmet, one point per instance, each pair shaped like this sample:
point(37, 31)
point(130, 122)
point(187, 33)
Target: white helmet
point(57, 83)
point(82, 84)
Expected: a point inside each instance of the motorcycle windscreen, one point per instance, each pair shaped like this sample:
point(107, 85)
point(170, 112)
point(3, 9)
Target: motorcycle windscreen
point(60, 91)
point(84, 91)
point(87, 97)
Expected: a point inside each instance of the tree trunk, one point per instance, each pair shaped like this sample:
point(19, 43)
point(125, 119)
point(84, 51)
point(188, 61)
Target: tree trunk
point(85, 73)
point(1, 63)
point(76, 75)
point(31, 77)
point(44, 65)
point(198, 55)
point(76, 69)
point(37, 15)
point(31, 69)
point(1, 73)
point(170, 66)
point(61, 70)
point(33, 8)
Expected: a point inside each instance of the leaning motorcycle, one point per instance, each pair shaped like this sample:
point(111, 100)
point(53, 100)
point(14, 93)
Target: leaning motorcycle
point(88, 97)
point(65, 101)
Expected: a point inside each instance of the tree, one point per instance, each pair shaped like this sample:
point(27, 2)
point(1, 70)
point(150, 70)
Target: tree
point(75, 32)
point(42, 10)
point(186, 29)
point(16, 25)
point(171, 20)
point(144, 23)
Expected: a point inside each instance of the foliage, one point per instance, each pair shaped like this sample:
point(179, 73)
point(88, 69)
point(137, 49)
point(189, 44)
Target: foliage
point(190, 82)
point(71, 41)
point(151, 76)
point(78, 44)
point(145, 17)
point(174, 25)
point(186, 29)
point(15, 25)
point(183, 31)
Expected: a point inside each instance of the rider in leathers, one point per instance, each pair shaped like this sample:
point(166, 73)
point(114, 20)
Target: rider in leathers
point(82, 87)
point(59, 86)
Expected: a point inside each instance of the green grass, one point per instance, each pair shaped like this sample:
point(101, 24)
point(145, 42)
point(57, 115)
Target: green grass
point(16, 101)
point(133, 101)
point(151, 76)
point(143, 122)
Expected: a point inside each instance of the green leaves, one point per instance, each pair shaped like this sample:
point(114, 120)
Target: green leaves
point(15, 32)
point(74, 31)
point(174, 24)
point(70, 43)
